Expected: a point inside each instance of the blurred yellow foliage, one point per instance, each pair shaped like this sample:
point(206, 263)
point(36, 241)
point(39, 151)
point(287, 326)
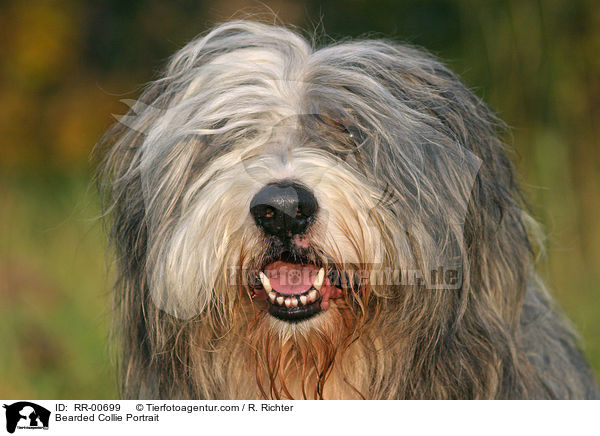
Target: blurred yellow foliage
point(42, 43)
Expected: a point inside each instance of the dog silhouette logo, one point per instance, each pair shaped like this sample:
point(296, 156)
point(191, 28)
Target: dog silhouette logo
point(26, 415)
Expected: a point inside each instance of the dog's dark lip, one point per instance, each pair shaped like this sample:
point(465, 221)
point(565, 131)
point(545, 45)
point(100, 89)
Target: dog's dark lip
point(295, 314)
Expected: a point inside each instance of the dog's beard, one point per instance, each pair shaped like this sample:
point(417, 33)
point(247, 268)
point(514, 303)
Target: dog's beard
point(292, 352)
point(296, 362)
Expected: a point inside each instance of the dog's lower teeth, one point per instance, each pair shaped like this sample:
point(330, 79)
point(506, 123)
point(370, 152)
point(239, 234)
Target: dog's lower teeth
point(293, 300)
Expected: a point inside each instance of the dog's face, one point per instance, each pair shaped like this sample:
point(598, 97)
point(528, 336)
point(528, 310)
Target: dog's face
point(298, 194)
point(281, 194)
point(282, 222)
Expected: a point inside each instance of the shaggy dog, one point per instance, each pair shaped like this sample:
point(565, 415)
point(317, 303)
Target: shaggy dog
point(340, 222)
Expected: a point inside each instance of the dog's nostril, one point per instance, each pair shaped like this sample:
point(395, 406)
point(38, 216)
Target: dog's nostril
point(283, 209)
point(269, 213)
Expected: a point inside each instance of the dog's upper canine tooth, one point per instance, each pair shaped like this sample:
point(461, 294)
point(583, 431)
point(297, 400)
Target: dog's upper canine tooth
point(319, 279)
point(265, 282)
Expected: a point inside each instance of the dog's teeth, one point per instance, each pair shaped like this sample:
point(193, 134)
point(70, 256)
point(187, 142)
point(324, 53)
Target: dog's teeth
point(312, 295)
point(265, 282)
point(303, 300)
point(319, 280)
point(288, 302)
point(280, 300)
point(294, 302)
point(272, 296)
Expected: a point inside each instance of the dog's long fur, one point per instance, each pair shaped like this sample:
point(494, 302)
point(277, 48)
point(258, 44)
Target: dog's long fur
point(409, 173)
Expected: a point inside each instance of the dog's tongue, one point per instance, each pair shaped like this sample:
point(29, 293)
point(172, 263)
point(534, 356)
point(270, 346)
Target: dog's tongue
point(290, 278)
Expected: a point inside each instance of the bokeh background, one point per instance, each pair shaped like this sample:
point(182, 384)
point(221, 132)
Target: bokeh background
point(65, 66)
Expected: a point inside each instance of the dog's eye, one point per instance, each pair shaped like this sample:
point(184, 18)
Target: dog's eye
point(354, 134)
point(345, 126)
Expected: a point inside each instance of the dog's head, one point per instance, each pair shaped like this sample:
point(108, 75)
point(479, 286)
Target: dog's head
point(304, 193)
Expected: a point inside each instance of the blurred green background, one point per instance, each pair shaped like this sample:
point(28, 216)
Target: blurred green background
point(64, 66)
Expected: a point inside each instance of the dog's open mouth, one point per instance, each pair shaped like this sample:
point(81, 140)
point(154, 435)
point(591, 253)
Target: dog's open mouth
point(295, 291)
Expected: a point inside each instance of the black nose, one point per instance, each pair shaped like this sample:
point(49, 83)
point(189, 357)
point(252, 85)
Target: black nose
point(283, 209)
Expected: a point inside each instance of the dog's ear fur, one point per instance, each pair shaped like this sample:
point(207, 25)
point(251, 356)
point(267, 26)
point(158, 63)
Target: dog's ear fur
point(120, 186)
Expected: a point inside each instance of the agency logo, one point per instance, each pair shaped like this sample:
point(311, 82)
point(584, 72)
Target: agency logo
point(26, 415)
